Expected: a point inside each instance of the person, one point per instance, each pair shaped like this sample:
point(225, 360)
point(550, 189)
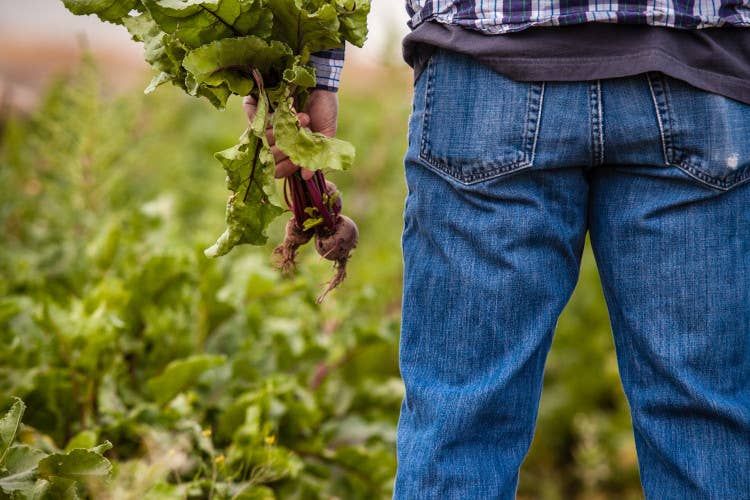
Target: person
point(533, 124)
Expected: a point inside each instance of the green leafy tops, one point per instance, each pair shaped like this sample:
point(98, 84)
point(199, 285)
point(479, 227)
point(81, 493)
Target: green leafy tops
point(218, 48)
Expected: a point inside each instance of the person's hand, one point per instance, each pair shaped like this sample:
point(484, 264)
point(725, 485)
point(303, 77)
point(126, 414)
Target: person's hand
point(320, 115)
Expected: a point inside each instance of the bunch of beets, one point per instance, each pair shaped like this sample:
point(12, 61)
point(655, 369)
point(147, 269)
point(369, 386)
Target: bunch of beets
point(218, 48)
point(317, 200)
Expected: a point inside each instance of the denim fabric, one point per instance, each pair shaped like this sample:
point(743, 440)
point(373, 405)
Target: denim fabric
point(505, 178)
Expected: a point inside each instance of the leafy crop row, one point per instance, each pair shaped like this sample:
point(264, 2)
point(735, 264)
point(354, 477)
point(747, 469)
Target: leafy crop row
point(201, 373)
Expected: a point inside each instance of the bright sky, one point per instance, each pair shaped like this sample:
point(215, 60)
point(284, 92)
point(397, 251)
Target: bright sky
point(47, 20)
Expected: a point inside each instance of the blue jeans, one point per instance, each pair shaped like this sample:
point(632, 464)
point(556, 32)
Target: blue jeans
point(505, 178)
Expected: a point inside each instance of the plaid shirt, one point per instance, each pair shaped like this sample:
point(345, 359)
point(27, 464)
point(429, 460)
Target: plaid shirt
point(504, 16)
point(328, 65)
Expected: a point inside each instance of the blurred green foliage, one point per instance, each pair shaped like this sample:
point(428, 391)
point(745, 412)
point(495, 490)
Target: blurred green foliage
point(219, 378)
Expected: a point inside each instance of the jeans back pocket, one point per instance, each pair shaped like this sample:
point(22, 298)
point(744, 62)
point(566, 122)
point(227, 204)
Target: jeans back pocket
point(706, 135)
point(477, 123)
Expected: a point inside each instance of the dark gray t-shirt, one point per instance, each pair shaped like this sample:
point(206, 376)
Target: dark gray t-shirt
point(712, 59)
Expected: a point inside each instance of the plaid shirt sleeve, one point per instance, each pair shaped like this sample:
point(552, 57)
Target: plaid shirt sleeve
point(328, 65)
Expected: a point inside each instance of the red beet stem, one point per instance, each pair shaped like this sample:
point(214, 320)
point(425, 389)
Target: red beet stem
point(321, 180)
point(309, 194)
point(316, 197)
point(299, 201)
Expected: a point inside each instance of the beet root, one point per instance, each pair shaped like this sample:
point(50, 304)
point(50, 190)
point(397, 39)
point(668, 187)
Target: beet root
point(337, 247)
point(286, 252)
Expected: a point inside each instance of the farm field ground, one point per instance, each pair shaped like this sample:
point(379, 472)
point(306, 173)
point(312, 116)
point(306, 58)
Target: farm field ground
point(219, 378)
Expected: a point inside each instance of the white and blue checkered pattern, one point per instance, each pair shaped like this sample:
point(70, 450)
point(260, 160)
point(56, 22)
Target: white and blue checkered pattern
point(328, 65)
point(503, 16)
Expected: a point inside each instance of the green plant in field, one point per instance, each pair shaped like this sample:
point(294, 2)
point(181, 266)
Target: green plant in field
point(28, 472)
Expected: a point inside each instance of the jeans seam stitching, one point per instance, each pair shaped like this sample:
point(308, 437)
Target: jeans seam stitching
point(595, 139)
point(670, 130)
point(600, 121)
point(527, 120)
point(658, 112)
point(694, 171)
point(592, 125)
point(538, 122)
point(427, 108)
